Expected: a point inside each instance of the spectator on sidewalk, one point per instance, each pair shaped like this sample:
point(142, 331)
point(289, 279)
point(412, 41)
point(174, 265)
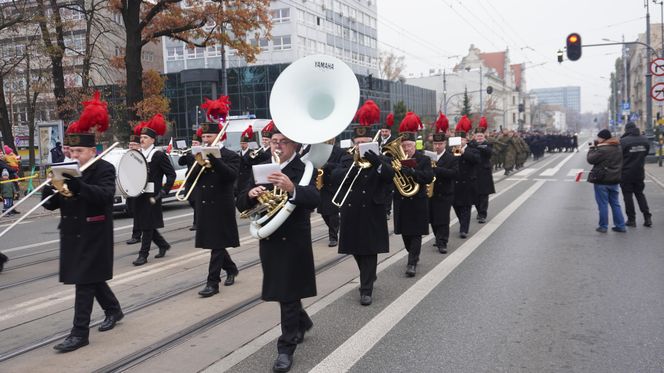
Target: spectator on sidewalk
point(8, 191)
point(606, 158)
point(635, 148)
point(57, 155)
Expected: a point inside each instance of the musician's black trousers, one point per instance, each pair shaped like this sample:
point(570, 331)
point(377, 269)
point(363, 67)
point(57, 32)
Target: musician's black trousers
point(293, 318)
point(441, 229)
point(463, 213)
point(482, 205)
point(149, 236)
point(367, 265)
point(135, 232)
point(192, 203)
point(85, 295)
point(332, 222)
point(413, 246)
point(220, 259)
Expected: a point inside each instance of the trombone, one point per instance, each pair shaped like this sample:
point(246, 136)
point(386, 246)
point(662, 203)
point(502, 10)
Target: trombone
point(60, 186)
point(358, 163)
point(204, 163)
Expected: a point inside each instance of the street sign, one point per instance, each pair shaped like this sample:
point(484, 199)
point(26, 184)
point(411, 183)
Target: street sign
point(657, 92)
point(634, 117)
point(657, 67)
point(626, 106)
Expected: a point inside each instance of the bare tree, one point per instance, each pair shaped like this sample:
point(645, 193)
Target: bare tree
point(391, 66)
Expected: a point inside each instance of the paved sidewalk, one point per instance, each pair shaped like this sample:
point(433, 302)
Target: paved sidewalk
point(25, 206)
point(656, 174)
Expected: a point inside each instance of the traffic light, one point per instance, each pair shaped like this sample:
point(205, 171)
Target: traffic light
point(573, 46)
point(489, 90)
point(560, 56)
point(522, 108)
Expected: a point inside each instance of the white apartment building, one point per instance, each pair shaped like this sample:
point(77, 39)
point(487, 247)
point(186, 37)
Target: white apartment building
point(345, 29)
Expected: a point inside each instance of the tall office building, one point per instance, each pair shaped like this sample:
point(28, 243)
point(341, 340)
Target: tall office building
point(345, 29)
point(567, 97)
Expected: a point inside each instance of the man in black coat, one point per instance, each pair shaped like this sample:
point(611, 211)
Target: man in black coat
point(215, 203)
point(189, 160)
point(86, 239)
point(286, 255)
point(411, 214)
point(246, 161)
point(327, 209)
point(440, 203)
point(148, 212)
point(464, 185)
point(386, 137)
point(363, 215)
point(484, 182)
point(635, 148)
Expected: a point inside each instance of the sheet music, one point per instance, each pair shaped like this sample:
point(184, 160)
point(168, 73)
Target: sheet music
point(262, 171)
point(71, 168)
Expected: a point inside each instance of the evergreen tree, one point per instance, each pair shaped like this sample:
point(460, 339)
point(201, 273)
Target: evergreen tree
point(466, 104)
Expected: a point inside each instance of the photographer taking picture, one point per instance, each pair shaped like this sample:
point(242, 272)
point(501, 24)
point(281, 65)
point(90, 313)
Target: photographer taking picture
point(606, 157)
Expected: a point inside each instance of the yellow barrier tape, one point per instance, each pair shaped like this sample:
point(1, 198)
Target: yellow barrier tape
point(18, 179)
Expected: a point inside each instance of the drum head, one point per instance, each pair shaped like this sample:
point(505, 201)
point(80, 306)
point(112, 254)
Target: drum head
point(132, 173)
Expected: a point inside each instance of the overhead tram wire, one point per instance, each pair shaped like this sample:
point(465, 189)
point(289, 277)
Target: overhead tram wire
point(491, 29)
point(470, 24)
point(414, 37)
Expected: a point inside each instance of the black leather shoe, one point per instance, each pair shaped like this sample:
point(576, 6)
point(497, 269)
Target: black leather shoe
point(410, 270)
point(109, 321)
point(481, 220)
point(647, 221)
point(230, 279)
point(365, 300)
point(208, 291)
point(442, 248)
point(71, 343)
point(133, 240)
point(631, 223)
point(463, 234)
point(332, 243)
point(140, 261)
point(283, 363)
point(3, 260)
point(162, 252)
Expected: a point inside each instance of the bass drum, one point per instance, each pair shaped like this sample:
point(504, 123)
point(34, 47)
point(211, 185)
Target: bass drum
point(132, 173)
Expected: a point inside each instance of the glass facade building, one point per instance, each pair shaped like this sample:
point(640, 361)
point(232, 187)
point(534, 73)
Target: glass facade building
point(567, 97)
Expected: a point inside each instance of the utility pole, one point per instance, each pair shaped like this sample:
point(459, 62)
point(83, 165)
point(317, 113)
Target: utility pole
point(481, 102)
point(444, 92)
point(648, 75)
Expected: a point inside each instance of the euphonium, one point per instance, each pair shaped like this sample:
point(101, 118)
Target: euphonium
point(406, 185)
point(269, 201)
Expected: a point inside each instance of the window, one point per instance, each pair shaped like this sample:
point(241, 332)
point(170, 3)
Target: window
point(119, 51)
point(74, 44)
point(300, 16)
point(196, 52)
point(263, 42)
point(73, 12)
point(513, 117)
point(174, 53)
point(281, 42)
point(213, 51)
point(117, 18)
point(280, 15)
point(147, 56)
point(513, 100)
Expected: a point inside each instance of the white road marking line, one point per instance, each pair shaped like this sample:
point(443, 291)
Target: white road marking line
point(574, 171)
point(237, 356)
point(61, 296)
point(525, 172)
point(554, 170)
point(351, 351)
point(656, 180)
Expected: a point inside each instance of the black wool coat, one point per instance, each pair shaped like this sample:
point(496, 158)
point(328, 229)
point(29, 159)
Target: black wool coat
point(86, 227)
point(286, 255)
point(484, 184)
point(147, 215)
point(188, 160)
point(446, 172)
point(329, 185)
point(464, 185)
point(363, 224)
point(216, 226)
point(244, 170)
point(411, 214)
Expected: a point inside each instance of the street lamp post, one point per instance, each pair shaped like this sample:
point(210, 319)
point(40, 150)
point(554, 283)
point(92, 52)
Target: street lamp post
point(648, 75)
point(661, 32)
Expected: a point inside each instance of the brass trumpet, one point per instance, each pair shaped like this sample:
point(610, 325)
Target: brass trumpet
point(269, 202)
point(431, 185)
point(456, 151)
point(319, 179)
point(254, 153)
point(406, 185)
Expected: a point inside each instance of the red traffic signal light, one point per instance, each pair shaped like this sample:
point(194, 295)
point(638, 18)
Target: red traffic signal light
point(573, 47)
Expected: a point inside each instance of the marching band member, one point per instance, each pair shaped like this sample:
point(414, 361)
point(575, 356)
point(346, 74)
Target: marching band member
point(264, 154)
point(464, 185)
point(411, 218)
point(188, 160)
point(148, 215)
point(327, 209)
point(445, 171)
point(363, 224)
point(134, 144)
point(215, 202)
point(286, 255)
point(385, 137)
point(484, 184)
point(86, 228)
point(245, 157)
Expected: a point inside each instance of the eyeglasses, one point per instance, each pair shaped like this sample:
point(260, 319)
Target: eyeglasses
point(280, 143)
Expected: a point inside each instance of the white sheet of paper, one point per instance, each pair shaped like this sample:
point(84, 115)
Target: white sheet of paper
point(454, 141)
point(431, 155)
point(71, 168)
point(262, 171)
point(364, 147)
point(196, 149)
point(253, 145)
point(215, 151)
point(345, 144)
point(181, 144)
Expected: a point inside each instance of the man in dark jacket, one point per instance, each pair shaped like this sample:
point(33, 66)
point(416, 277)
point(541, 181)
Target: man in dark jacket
point(440, 203)
point(86, 239)
point(286, 255)
point(606, 158)
point(484, 182)
point(465, 184)
point(57, 155)
point(635, 148)
point(363, 216)
point(215, 203)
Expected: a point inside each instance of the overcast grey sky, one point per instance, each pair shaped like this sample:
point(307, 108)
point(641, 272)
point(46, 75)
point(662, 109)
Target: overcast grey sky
point(429, 32)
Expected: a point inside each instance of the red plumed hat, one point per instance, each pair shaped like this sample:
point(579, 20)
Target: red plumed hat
point(137, 128)
point(409, 126)
point(199, 132)
point(73, 128)
point(247, 135)
point(464, 125)
point(368, 114)
point(217, 109)
point(156, 126)
point(442, 123)
point(95, 114)
point(269, 130)
point(484, 124)
point(389, 121)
